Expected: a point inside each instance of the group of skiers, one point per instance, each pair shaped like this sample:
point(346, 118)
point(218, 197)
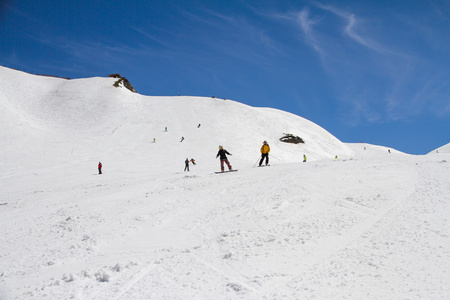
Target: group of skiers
point(186, 163)
point(265, 149)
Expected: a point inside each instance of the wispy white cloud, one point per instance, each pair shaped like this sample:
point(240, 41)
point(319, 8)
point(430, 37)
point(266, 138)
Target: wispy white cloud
point(232, 36)
point(351, 28)
point(445, 109)
point(99, 54)
point(251, 32)
point(306, 24)
point(149, 36)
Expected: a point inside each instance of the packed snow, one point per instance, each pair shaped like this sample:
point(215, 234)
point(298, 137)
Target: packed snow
point(355, 221)
point(443, 149)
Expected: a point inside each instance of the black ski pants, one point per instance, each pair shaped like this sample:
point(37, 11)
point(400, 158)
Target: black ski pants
point(266, 156)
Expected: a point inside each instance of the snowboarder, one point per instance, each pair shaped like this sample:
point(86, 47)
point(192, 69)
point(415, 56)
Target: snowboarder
point(186, 162)
point(182, 139)
point(99, 168)
point(304, 158)
point(265, 149)
point(223, 158)
point(192, 161)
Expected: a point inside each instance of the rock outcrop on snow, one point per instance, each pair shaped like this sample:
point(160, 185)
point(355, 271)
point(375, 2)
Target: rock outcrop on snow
point(290, 138)
point(122, 81)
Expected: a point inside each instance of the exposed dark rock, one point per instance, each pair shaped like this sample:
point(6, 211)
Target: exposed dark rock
point(122, 80)
point(290, 138)
point(128, 85)
point(115, 75)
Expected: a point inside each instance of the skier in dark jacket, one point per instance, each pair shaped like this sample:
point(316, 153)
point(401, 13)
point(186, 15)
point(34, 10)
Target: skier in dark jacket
point(223, 158)
point(186, 162)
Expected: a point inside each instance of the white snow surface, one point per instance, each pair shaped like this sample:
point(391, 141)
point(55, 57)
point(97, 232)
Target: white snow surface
point(368, 224)
point(443, 149)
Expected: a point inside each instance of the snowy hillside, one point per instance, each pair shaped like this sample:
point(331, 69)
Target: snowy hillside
point(91, 120)
point(371, 224)
point(443, 149)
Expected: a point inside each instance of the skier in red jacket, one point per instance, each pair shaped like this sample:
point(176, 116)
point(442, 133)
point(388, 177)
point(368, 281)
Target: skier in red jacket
point(99, 168)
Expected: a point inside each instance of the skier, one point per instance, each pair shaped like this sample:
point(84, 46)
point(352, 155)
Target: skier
point(165, 129)
point(182, 139)
point(223, 158)
point(265, 149)
point(186, 162)
point(199, 125)
point(99, 168)
point(304, 158)
point(192, 161)
point(154, 140)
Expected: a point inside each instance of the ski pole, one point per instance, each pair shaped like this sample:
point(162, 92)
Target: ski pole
point(274, 157)
point(256, 162)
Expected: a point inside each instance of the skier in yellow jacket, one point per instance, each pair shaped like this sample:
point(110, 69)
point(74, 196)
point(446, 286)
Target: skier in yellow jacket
point(265, 149)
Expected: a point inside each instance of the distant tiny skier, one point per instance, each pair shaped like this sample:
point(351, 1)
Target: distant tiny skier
point(223, 158)
point(182, 139)
point(199, 125)
point(154, 140)
point(265, 149)
point(100, 168)
point(165, 129)
point(389, 150)
point(193, 161)
point(304, 158)
point(186, 167)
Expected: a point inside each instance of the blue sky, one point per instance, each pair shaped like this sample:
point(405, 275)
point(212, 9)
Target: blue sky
point(371, 71)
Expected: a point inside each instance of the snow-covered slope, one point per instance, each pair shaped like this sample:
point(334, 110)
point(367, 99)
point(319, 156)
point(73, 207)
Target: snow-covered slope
point(443, 149)
point(91, 120)
point(371, 224)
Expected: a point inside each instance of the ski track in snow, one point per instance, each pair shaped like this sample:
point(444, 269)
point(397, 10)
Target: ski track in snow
point(304, 233)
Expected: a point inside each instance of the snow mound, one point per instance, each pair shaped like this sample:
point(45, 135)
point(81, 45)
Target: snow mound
point(443, 149)
point(89, 119)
